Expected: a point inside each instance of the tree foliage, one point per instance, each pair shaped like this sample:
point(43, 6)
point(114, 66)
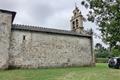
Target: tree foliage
point(116, 51)
point(100, 51)
point(106, 14)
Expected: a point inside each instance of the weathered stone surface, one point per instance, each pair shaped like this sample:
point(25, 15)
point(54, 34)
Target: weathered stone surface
point(49, 50)
point(32, 47)
point(5, 30)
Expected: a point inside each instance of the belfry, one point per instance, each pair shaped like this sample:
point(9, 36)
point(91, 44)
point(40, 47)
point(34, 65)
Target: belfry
point(77, 21)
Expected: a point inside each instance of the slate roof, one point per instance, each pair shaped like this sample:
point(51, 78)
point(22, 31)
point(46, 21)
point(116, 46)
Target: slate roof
point(46, 30)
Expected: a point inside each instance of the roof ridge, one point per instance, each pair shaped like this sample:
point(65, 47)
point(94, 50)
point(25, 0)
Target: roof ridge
point(47, 30)
point(31, 26)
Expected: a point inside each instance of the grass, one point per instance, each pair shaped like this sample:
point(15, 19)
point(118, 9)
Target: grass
point(100, 72)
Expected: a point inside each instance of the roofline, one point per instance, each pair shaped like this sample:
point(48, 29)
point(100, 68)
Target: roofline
point(9, 12)
point(47, 30)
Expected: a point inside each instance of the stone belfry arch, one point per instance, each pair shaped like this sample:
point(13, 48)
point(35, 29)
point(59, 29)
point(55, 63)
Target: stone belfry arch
point(77, 21)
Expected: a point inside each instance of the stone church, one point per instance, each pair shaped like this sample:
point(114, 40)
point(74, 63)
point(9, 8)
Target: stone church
point(23, 46)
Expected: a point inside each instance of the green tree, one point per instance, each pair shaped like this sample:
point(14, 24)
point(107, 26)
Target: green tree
point(116, 51)
point(100, 51)
point(98, 46)
point(106, 14)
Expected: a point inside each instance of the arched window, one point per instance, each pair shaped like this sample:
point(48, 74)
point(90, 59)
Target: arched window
point(24, 37)
point(75, 14)
point(77, 23)
point(73, 24)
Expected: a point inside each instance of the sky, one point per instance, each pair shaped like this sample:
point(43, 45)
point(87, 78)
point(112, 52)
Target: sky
point(47, 13)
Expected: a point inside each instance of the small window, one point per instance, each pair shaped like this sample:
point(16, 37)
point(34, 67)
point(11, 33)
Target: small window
point(75, 14)
point(24, 37)
point(73, 25)
point(77, 23)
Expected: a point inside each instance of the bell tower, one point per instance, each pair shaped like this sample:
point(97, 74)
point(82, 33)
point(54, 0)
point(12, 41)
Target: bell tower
point(77, 21)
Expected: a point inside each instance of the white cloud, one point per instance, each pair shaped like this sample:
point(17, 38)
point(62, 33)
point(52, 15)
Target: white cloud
point(46, 13)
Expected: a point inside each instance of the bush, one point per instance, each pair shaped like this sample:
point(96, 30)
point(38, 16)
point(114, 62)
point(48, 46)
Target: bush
point(115, 52)
point(101, 60)
point(101, 53)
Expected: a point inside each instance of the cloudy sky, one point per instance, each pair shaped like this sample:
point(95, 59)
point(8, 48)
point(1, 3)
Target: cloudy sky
point(46, 13)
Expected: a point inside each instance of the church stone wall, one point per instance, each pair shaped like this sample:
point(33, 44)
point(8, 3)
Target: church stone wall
point(37, 50)
point(26, 47)
point(5, 30)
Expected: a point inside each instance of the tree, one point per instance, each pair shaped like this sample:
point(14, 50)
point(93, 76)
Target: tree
point(106, 14)
point(100, 51)
point(116, 51)
point(98, 46)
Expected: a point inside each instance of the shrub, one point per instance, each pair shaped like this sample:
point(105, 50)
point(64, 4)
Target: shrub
point(101, 60)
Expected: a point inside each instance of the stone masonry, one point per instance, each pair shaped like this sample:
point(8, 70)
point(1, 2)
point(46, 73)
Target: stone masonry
point(23, 46)
point(5, 31)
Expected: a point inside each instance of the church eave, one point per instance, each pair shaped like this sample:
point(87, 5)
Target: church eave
point(47, 30)
point(9, 12)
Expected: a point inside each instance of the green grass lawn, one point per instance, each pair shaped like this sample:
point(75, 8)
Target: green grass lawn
point(100, 72)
